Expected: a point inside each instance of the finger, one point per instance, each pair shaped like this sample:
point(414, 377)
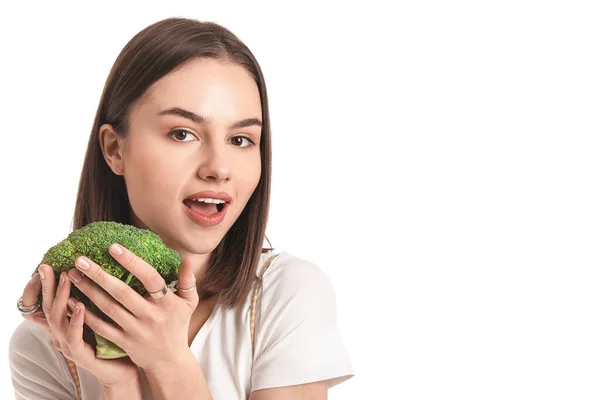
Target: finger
point(32, 291)
point(187, 279)
point(109, 331)
point(31, 295)
point(77, 348)
point(107, 303)
point(145, 273)
point(48, 288)
point(58, 314)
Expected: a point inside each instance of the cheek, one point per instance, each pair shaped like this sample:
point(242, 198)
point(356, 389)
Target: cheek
point(250, 176)
point(154, 179)
point(251, 182)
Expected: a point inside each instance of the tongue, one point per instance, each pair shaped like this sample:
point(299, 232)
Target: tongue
point(202, 208)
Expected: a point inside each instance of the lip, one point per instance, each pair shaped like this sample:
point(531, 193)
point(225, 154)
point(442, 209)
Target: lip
point(206, 220)
point(212, 194)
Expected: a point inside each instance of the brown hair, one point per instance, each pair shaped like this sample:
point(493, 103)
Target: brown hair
point(102, 195)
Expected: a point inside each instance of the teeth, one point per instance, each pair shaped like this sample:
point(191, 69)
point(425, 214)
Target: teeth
point(208, 200)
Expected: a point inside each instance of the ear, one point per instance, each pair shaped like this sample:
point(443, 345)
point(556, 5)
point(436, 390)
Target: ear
point(111, 145)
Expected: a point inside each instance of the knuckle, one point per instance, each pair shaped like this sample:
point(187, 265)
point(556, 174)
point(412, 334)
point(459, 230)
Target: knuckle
point(98, 275)
point(111, 310)
point(123, 295)
point(46, 290)
point(131, 260)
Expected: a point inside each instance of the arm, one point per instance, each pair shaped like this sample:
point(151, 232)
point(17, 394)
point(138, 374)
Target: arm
point(183, 380)
point(131, 390)
point(313, 391)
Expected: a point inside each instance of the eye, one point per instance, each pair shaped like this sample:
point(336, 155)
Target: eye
point(180, 133)
point(251, 143)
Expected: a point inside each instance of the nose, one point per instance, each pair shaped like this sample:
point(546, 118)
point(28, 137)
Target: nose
point(215, 165)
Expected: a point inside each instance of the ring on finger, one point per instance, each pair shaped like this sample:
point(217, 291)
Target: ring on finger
point(29, 309)
point(160, 293)
point(179, 289)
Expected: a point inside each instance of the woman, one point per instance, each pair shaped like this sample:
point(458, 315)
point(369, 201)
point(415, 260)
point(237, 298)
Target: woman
point(184, 110)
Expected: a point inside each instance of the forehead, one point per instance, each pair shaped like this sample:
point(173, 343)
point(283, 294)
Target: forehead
point(216, 89)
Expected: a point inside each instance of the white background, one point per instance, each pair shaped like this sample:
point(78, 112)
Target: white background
point(438, 160)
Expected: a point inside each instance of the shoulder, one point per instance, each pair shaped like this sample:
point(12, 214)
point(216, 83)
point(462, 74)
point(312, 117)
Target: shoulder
point(31, 343)
point(293, 290)
point(28, 336)
point(297, 338)
point(292, 277)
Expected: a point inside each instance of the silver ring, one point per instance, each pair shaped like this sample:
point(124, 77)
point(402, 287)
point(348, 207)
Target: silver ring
point(27, 310)
point(185, 290)
point(157, 295)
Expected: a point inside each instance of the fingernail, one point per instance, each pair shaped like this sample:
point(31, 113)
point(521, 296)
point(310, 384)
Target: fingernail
point(42, 274)
point(116, 249)
point(62, 279)
point(81, 263)
point(73, 306)
point(75, 275)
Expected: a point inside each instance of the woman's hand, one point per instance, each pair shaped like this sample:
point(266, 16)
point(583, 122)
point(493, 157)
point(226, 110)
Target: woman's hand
point(30, 297)
point(153, 332)
point(67, 335)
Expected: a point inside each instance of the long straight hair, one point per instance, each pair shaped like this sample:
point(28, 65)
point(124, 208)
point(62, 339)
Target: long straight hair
point(102, 195)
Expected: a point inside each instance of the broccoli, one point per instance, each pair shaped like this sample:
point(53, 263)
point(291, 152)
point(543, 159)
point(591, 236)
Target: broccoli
point(92, 241)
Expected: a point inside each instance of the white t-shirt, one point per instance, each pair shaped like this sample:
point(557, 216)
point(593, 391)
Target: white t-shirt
point(297, 341)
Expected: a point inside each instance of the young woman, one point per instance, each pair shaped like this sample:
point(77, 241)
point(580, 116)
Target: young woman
point(183, 115)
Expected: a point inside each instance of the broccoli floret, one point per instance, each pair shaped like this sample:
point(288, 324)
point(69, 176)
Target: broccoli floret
point(92, 241)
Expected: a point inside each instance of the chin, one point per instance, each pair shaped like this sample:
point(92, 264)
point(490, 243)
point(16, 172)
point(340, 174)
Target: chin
point(202, 244)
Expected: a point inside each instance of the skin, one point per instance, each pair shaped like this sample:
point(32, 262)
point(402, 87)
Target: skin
point(164, 159)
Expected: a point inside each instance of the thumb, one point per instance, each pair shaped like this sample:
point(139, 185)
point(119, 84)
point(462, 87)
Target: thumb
point(187, 280)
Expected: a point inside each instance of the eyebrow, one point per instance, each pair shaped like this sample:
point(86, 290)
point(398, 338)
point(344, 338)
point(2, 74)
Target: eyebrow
point(200, 119)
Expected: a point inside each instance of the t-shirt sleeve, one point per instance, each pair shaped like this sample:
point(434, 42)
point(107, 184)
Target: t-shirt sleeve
point(297, 338)
point(38, 370)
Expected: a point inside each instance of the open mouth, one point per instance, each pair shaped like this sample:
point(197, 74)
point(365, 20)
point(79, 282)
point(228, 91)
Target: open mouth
point(203, 208)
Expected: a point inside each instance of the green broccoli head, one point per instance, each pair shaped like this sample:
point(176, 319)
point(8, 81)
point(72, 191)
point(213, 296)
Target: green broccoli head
point(92, 241)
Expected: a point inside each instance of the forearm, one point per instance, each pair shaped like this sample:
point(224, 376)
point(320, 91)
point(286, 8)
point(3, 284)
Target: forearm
point(131, 390)
point(185, 380)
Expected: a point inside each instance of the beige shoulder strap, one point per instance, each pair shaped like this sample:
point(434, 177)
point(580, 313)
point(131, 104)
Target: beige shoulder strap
point(73, 368)
point(75, 376)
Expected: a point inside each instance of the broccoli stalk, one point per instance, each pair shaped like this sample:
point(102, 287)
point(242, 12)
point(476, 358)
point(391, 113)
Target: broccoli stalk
point(129, 278)
point(93, 241)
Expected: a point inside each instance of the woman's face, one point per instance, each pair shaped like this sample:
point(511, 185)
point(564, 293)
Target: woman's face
point(167, 156)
